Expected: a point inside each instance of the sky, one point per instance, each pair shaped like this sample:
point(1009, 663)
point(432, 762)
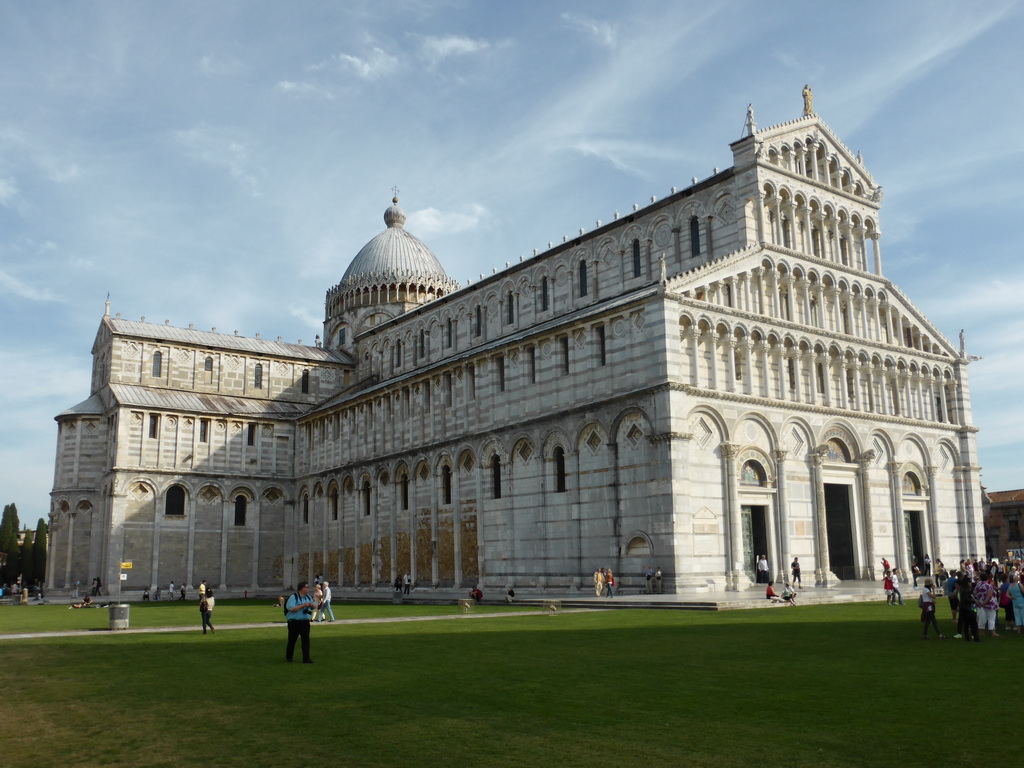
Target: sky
point(221, 163)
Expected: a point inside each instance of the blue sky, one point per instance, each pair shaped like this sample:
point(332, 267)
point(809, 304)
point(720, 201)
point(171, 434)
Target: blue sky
point(221, 163)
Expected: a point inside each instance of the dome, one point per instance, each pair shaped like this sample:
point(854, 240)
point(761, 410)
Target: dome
point(395, 256)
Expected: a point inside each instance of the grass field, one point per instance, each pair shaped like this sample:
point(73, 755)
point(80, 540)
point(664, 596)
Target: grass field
point(848, 685)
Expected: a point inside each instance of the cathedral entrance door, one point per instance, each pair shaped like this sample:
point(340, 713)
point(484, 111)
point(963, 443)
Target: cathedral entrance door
point(755, 537)
point(915, 536)
point(839, 527)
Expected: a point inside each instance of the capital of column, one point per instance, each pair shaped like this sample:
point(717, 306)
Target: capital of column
point(729, 450)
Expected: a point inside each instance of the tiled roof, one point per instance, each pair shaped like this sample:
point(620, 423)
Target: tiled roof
point(194, 402)
point(1006, 496)
point(143, 330)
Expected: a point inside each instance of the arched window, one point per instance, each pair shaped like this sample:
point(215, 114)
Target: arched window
point(446, 485)
point(510, 309)
point(694, 236)
point(478, 326)
point(544, 299)
point(911, 485)
point(496, 476)
point(637, 266)
point(257, 376)
point(174, 501)
point(342, 336)
point(332, 501)
point(366, 498)
point(208, 368)
point(240, 505)
point(305, 382)
point(583, 278)
point(448, 333)
point(403, 483)
point(559, 456)
point(158, 364)
point(305, 510)
point(753, 474)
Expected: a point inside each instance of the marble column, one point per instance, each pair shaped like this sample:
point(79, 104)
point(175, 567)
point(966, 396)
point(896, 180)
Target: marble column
point(733, 513)
point(782, 516)
point(864, 476)
point(822, 565)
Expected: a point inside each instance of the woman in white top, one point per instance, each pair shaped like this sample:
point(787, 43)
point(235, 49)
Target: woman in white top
point(206, 609)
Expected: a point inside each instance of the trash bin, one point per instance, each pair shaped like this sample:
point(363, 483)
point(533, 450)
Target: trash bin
point(396, 598)
point(119, 616)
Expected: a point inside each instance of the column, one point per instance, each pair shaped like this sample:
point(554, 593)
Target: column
point(934, 543)
point(877, 247)
point(730, 364)
point(766, 370)
point(899, 526)
point(692, 336)
point(812, 379)
point(782, 515)
point(70, 534)
point(734, 545)
point(480, 468)
point(225, 511)
point(255, 522)
point(821, 566)
point(864, 476)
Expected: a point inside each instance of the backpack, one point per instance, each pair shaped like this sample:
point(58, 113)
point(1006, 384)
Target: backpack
point(285, 607)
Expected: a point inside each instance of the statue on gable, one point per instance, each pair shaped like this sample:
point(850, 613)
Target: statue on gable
point(808, 101)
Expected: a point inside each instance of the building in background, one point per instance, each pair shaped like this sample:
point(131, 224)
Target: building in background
point(722, 373)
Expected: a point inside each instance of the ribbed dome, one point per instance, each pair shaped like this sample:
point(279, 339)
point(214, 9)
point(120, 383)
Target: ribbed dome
point(392, 255)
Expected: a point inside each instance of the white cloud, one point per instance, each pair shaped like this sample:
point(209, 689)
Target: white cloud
point(10, 284)
point(216, 148)
point(8, 192)
point(603, 32)
point(429, 222)
point(303, 90)
point(377, 65)
point(308, 319)
point(436, 49)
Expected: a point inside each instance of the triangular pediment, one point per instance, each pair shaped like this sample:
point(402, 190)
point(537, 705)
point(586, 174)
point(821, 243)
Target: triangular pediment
point(777, 146)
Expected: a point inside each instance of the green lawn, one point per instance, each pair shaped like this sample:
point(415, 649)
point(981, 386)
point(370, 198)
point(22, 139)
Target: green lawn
point(811, 686)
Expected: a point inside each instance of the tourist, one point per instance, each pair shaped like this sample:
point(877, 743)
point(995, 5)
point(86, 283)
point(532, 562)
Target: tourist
point(325, 605)
point(657, 580)
point(183, 589)
point(86, 603)
point(206, 605)
point(795, 568)
point(318, 599)
point(145, 595)
point(510, 595)
point(476, 594)
point(407, 583)
point(609, 583)
point(762, 569)
point(952, 592)
point(599, 582)
point(648, 575)
point(298, 609)
point(897, 596)
point(771, 594)
point(1016, 592)
point(1005, 601)
point(397, 584)
point(987, 600)
point(171, 592)
point(789, 594)
point(967, 628)
point(887, 586)
point(915, 570)
point(927, 564)
point(928, 610)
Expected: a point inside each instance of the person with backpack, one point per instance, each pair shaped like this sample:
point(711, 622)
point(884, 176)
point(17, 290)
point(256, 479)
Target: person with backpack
point(299, 610)
point(206, 604)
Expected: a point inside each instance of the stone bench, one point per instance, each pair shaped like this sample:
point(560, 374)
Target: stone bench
point(466, 605)
point(552, 606)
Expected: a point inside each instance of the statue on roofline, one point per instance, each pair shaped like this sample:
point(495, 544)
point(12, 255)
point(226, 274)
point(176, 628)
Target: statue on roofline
point(808, 101)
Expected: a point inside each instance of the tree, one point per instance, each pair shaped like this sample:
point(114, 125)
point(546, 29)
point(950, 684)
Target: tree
point(39, 552)
point(25, 563)
point(9, 543)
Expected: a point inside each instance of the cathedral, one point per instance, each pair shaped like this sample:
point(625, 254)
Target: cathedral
point(716, 375)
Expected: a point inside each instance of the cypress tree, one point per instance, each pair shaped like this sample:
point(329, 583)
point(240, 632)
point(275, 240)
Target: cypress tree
point(9, 543)
point(39, 552)
point(25, 562)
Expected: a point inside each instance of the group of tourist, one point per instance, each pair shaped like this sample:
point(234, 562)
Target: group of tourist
point(604, 582)
point(976, 591)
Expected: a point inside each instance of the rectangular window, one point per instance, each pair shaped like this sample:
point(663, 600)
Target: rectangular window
point(602, 352)
point(448, 333)
point(448, 390)
point(500, 362)
point(532, 363)
point(637, 265)
point(544, 294)
point(564, 343)
point(251, 436)
point(471, 382)
point(204, 430)
point(478, 326)
point(258, 376)
point(154, 425)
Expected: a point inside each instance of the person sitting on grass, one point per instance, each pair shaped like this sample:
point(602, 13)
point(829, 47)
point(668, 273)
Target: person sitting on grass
point(86, 603)
point(476, 594)
point(771, 594)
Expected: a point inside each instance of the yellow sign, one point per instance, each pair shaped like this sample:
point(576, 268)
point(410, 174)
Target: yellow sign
point(126, 565)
